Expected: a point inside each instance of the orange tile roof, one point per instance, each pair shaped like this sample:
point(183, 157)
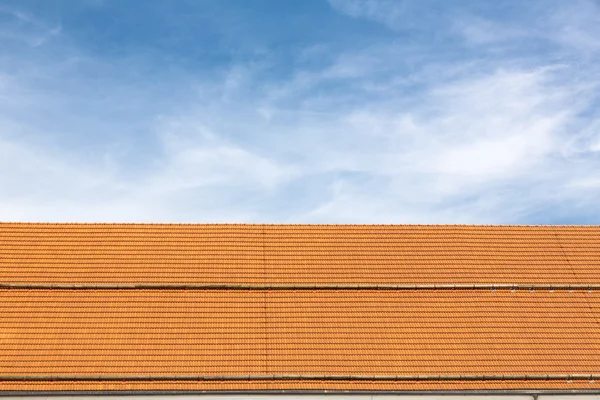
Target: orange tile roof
point(298, 307)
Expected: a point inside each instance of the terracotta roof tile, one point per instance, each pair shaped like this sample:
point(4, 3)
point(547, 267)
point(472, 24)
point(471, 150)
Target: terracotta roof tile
point(55, 333)
point(211, 332)
point(297, 254)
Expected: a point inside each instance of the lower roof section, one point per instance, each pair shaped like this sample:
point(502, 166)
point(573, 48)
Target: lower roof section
point(494, 338)
point(302, 332)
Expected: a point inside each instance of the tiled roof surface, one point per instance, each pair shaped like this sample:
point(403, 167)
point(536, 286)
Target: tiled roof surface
point(297, 254)
point(255, 307)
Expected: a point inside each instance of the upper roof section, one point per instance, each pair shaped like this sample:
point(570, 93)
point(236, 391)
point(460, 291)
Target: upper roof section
point(152, 254)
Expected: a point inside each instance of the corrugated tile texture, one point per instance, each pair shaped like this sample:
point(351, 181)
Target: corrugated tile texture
point(297, 254)
point(220, 331)
point(212, 332)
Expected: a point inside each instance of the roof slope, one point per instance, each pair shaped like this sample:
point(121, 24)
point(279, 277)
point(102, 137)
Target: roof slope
point(277, 307)
point(298, 254)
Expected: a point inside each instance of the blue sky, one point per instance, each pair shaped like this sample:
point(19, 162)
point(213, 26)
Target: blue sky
point(312, 111)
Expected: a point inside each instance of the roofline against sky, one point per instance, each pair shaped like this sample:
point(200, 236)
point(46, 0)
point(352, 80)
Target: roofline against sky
point(276, 224)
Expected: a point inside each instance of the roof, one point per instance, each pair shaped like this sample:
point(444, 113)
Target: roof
point(144, 307)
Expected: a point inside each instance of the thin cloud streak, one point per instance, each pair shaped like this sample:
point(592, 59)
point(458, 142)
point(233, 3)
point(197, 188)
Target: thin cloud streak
point(363, 136)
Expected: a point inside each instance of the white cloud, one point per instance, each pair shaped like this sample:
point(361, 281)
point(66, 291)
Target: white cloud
point(468, 141)
point(472, 138)
point(498, 125)
point(194, 156)
point(590, 183)
point(190, 178)
point(484, 139)
point(185, 172)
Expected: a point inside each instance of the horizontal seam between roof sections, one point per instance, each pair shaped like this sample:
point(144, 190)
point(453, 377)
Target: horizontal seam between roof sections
point(287, 377)
point(296, 287)
point(346, 392)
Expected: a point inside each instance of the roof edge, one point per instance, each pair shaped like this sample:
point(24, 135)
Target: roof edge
point(258, 224)
point(306, 392)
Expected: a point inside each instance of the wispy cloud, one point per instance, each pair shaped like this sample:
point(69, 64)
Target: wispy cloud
point(389, 130)
point(23, 27)
point(391, 13)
